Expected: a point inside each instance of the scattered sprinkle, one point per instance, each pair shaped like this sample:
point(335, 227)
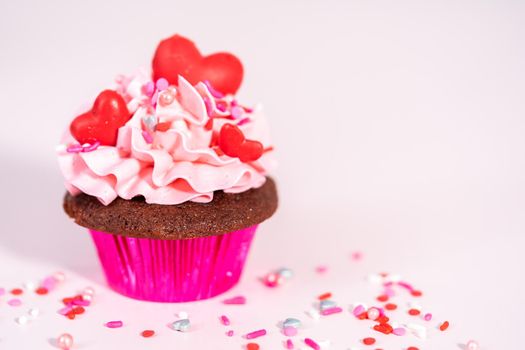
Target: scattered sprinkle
point(369, 341)
point(289, 344)
point(472, 345)
point(290, 331)
point(256, 334)
point(33, 312)
point(252, 346)
point(238, 300)
point(181, 325)
point(17, 291)
point(390, 306)
point(65, 341)
point(325, 296)
point(373, 313)
point(225, 320)
point(22, 320)
point(427, 317)
point(358, 310)
point(292, 322)
point(400, 331)
point(327, 304)
point(114, 324)
point(412, 348)
point(14, 302)
point(147, 333)
point(444, 326)
point(414, 312)
point(229, 333)
point(311, 343)
point(330, 311)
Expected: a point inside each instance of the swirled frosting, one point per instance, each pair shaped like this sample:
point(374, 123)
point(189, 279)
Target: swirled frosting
point(166, 151)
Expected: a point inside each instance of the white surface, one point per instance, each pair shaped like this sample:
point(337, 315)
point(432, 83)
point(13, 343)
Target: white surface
point(400, 130)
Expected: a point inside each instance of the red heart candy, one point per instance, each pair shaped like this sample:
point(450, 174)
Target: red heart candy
point(179, 56)
point(101, 123)
point(233, 143)
point(250, 151)
point(230, 140)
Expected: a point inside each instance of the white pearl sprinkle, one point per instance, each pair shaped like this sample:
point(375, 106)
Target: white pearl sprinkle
point(29, 285)
point(22, 320)
point(34, 312)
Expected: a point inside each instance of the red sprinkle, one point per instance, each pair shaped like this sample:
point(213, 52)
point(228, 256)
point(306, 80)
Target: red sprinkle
point(416, 293)
point(78, 310)
point(41, 291)
point(252, 346)
point(67, 300)
point(384, 328)
point(369, 341)
point(71, 315)
point(412, 348)
point(382, 319)
point(16, 291)
point(325, 296)
point(147, 333)
point(382, 298)
point(444, 326)
point(363, 316)
point(414, 312)
point(390, 306)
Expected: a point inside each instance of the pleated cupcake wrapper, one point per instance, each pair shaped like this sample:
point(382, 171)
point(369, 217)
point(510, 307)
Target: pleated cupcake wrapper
point(173, 270)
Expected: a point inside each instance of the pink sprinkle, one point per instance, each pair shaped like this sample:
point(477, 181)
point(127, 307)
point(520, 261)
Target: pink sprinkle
point(238, 300)
point(212, 91)
point(405, 285)
point(221, 105)
point(357, 256)
point(2, 291)
point(321, 269)
point(237, 112)
point(114, 324)
point(49, 283)
point(154, 98)
point(389, 292)
point(330, 311)
point(358, 310)
point(162, 84)
point(91, 148)
point(312, 344)
point(14, 302)
point(399, 331)
point(290, 331)
point(147, 137)
point(229, 333)
point(74, 149)
point(225, 320)
point(149, 88)
point(256, 334)
point(81, 302)
point(428, 317)
point(289, 344)
point(243, 121)
point(65, 310)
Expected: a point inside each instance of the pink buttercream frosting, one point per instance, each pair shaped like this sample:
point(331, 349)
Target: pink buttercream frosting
point(172, 164)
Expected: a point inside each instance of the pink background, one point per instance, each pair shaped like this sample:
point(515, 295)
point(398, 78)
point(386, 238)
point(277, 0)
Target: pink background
point(399, 128)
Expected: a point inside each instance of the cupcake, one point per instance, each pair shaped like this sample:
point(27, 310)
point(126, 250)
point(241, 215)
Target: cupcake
point(169, 173)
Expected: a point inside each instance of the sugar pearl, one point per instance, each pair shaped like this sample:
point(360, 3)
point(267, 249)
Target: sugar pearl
point(373, 313)
point(166, 98)
point(34, 312)
point(472, 345)
point(22, 320)
point(65, 341)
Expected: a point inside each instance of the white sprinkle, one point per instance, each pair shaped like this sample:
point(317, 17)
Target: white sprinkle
point(29, 285)
point(375, 278)
point(418, 330)
point(182, 315)
point(89, 291)
point(22, 320)
point(34, 313)
point(313, 314)
point(87, 297)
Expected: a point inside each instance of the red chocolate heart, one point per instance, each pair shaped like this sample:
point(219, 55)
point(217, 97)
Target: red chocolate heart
point(179, 56)
point(250, 151)
point(233, 143)
point(101, 123)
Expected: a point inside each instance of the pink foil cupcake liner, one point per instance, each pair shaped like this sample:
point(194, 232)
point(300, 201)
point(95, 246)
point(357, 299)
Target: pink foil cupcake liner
point(173, 270)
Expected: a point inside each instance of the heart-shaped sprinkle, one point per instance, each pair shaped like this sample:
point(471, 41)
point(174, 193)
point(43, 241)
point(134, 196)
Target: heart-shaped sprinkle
point(233, 143)
point(179, 56)
point(101, 123)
